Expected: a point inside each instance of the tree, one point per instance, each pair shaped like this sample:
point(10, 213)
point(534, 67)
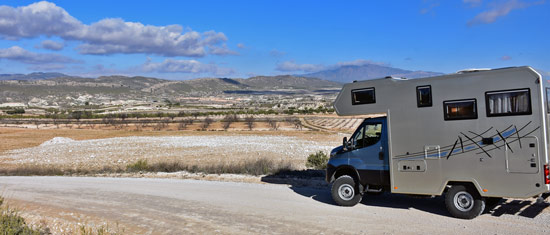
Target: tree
point(76, 115)
point(206, 123)
point(172, 116)
point(184, 123)
point(249, 120)
point(227, 120)
point(272, 123)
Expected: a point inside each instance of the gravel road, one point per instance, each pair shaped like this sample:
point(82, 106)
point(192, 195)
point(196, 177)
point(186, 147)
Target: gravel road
point(173, 206)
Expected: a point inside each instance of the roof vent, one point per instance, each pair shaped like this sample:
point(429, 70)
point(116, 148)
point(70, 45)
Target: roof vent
point(472, 70)
point(397, 78)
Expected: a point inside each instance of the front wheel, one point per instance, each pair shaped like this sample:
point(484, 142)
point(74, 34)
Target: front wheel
point(464, 202)
point(344, 191)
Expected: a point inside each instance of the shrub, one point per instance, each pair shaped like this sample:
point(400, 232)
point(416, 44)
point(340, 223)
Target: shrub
point(140, 165)
point(317, 160)
point(12, 223)
point(16, 111)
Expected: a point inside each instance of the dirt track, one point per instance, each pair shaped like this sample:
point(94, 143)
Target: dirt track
point(174, 206)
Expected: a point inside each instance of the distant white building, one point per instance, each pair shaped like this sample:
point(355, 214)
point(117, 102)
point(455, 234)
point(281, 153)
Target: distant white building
point(12, 105)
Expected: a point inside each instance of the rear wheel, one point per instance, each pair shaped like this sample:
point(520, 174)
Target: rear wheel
point(344, 191)
point(464, 202)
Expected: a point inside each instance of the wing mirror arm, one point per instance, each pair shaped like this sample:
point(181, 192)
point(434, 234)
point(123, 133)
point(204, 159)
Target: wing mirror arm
point(346, 144)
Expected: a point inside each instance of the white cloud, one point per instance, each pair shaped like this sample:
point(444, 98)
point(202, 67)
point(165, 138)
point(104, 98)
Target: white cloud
point(241, 46)
point(221, 50)
point(107, 36)
point(47, 67)
point(19, 54)
point(430, 8)
point(506, 58)
point(360, 62)
point(291, 66)
point(277, 53)
point(51, 45)
point(184, 66)
point(41, 18)
point(472, 3)
point(498, 10)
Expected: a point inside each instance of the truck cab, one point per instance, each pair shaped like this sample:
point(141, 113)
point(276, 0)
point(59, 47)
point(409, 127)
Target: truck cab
point(364, 158)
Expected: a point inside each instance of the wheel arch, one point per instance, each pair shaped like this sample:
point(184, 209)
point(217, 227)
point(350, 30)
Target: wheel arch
point(345, 170)
point(471, 184)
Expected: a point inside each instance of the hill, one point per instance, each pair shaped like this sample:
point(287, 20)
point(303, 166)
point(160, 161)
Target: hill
point(31, 76)
point(349, 73)
point(62, 90)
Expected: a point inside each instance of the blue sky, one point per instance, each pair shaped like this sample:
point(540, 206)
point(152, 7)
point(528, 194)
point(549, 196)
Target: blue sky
point(190, 39)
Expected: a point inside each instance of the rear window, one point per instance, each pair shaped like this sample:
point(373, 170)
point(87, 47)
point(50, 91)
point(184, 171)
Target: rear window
point(508, 102)
point(548, 100)
point(460, 109)
point(363, 96)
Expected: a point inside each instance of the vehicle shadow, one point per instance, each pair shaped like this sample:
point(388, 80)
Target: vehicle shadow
point(524, 208)
point(311, 184)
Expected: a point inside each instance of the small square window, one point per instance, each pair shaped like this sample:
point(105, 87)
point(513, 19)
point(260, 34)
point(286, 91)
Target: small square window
point(460, 109)
point(424, 96)
point(363, 96)
point(508, 103)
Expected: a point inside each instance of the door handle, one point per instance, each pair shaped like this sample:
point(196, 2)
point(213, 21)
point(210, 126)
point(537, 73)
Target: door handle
point(381, 155)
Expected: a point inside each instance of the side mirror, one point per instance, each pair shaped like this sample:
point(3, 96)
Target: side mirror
point(345, 143)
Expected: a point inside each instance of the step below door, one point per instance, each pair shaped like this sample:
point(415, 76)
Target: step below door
point(524, 159)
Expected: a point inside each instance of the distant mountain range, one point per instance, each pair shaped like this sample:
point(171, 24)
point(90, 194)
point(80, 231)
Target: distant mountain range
point(349, 73)
point(23, 87)
point(31, 76)
point(56, 90)
point(342, 74)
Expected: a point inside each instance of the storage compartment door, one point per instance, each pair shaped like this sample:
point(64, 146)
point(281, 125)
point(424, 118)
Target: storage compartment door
point(524, 159)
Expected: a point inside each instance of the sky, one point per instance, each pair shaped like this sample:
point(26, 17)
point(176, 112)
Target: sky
point(192, 39)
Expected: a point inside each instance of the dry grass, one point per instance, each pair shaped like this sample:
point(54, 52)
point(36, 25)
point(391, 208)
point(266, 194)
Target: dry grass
point(261, 166)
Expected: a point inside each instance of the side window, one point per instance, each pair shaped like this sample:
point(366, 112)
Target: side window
point(460, 109)
point(508, 103)
point(363, 96)
point(548, 100)
point(358, 137)
point(424, 96)
point(367, 135)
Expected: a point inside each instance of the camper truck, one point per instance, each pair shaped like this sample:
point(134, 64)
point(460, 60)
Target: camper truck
point(476, 137)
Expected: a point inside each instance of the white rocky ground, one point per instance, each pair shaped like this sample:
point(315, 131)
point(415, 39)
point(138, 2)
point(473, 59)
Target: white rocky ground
point(190, 149)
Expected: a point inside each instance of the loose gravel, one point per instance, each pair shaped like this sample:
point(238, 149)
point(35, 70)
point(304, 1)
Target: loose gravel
point(120, 151)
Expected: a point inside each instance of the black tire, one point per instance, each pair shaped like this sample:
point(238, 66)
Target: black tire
point(464, 202)
point(491, 203)
point(345, 191)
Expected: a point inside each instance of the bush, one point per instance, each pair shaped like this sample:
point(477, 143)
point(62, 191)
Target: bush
point(140, 165)
point(16, 111)
point(317, 160)
point(12, 223)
